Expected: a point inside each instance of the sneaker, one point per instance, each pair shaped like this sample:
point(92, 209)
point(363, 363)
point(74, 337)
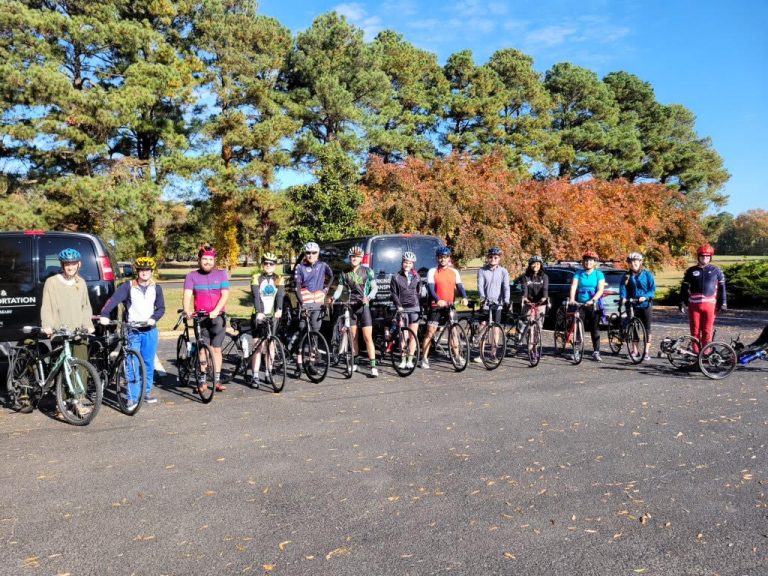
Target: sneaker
point(477, 360)
point(255, 382)
point(80, 410)
point(409, 365)
point(131, 406)
point(425, 364)
point(596, 356)
point(647, 357)
point(374, 372)
point(354, 367)
point(150, 399)
point(403, 363)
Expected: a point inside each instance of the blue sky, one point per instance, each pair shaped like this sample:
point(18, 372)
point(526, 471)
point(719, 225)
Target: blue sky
point(711, 56)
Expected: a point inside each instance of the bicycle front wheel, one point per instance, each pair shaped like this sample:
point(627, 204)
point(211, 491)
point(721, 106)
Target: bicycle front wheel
point(129, 380)
point(204, 372)
point(614, 333)
point(533, 341)
point(458, 347)
point(275, 366)
point(684, 355)
point(315, 356)
point(559, 333)
point(182, 360)
point(717, 360)
point(78, 392)
point(21, 381)
point(637, 338)
point(493, 346)
point(405, 352)
point(577, 340)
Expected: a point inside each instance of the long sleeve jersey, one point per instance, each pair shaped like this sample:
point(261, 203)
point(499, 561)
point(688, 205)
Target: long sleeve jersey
point(312, 282)
point(442, 284)
point(268, 292)
point(493, 284)
point(535, 287)
point(360, 283)
point(704, 285)
point(640, 285)
point(405, 290)
point(141, 302)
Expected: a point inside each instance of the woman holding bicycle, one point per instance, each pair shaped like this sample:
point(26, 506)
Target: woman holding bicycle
point(587, 289)
point(144, 302)
point(268, 292)
point(640, 285)
point(535, 289)
point(405, 288)
point(360, 283)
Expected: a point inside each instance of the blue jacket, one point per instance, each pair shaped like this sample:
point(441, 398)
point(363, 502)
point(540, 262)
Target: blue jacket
point(638, 285)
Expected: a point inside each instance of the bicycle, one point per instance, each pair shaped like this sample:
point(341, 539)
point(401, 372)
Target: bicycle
point(490, 340)
point(194, 360)
point(569, 329)
point(245, 345)
point(311, 347)
point(524, 329)
point(399, 342)
point(628, 329)
point(121, 368)
point(718, 360)
point(682, 352)
point(341, 341)
point(33, 371)
point(451, 341)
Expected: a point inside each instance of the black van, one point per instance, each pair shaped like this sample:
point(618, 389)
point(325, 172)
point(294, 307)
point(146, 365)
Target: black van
point(29, 258)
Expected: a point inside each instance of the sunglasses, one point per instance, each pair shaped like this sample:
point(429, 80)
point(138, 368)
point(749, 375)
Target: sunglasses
point(268, 263)
point(308, 253)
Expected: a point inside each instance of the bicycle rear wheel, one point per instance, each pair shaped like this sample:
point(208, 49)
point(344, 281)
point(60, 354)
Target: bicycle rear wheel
point(493, 346)
point(315, 356)
point(21, 381)
point(533, 343)
point(404, 359)
point(79, 395)
point(204, 372)
point(684, 355)
point(458, 347)
point(336, 341)
point(577, 340)
point(559, 333)
point(637, 338)
point(129, 380)
point(614, 333)
point(182, 360)
point(717, 360)
point(470, 330)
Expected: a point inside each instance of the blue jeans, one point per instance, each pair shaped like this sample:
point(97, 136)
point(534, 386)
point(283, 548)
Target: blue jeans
point(145, 343)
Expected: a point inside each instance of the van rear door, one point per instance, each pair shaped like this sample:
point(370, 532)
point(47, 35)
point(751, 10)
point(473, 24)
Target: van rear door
point(18, 294)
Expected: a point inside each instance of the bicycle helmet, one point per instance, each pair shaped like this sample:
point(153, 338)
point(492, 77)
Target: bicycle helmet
point(69, 255)
point(144, 263)
point(409, 256)
point(705, 250)
point(634, 256)
point(589, 255)
point(535, 258)
point(443, 251)
point(268, 257)
point(311, 247)
point(493, 251)
point(206, 250)
point(356, 251)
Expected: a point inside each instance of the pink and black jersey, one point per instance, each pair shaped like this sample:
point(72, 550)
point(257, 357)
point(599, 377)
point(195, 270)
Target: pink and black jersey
point(207, 287)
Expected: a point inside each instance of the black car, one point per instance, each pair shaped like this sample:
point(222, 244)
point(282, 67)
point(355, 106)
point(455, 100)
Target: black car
point(29, 258)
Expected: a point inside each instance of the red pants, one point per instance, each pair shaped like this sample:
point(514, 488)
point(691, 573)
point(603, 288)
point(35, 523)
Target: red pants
point(701, 318)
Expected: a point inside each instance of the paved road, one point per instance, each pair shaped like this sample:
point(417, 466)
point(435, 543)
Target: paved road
point(602, 469)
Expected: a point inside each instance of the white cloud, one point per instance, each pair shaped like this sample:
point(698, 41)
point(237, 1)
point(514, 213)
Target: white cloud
point(357, 15)
point(551, 35)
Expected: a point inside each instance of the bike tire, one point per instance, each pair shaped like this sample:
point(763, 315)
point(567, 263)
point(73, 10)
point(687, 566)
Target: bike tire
point(182, 361)
point(717, 360)
point(275, 372)
point(577, 341)
point(336, 342)
point(401, 352)
point(469, 329)
point(493, 346)
point(637, 334)
point(81, 407)
point(129, 367)
point(614, 333)
point(349, 357)
point(559, 331)
point(688, 344)
point(533, 344)
point(315, 356)
point(460, 354)
point(204, 374)
point(21, 381)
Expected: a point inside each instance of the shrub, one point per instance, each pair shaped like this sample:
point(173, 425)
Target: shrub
point(747, 284)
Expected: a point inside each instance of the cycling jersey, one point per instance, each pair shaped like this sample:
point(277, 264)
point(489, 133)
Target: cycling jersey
point(360, 283)
point(312, 283)
point(268, 292)
point(442, 284)
point(638, 285)
point(406, 289)
point(493, 284)
point(207, 287)
point(535, 287)
point(703, 285)
point(587, 284)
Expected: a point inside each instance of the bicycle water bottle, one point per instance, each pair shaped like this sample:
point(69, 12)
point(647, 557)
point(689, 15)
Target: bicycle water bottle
point(747, 358)
point(190, 349)
point(244, 346)
point(520, 326)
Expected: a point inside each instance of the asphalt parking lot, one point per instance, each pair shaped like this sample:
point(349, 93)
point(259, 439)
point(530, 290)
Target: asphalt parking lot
point(603, 468)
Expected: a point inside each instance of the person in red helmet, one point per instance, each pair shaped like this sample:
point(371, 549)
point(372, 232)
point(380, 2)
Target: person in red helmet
point(703, 291)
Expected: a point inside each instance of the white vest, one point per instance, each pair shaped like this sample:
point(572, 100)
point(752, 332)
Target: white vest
point(142, 303)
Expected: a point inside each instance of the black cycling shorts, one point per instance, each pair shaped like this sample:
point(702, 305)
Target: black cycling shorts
point(412, 316)
point(645, 317)
point(439, 316)
point(362, 314)
point(213, 330)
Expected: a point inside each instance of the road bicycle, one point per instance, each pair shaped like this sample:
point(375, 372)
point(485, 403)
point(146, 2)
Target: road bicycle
point(121, 368)
point(450, 341)
point(33, 370)
point(239, 349)
point(569, 330)
point(399, 342)
point(486, 335)
point(628, 329)
point(342, 351)
point(524, 330)
point(309, 348)
point(194, 359)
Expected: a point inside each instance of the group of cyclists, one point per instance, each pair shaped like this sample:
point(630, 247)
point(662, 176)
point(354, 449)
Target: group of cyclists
point(65, 299)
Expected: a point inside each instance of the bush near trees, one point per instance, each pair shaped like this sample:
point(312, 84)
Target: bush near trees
point(747, 284)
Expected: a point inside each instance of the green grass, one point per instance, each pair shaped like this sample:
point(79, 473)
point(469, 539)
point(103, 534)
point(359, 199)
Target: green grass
point(240, 303)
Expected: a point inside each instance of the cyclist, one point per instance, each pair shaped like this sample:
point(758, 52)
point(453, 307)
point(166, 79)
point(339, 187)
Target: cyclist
point(535, 288)
point(443, 282)
point(703, 291)
point(360, 283)
point(639, 283)
point(587, 289)
point(207, 289)
point(405, 288)
point(268, 292)
point(492, 287)
point(143, 301)
point(313, 278)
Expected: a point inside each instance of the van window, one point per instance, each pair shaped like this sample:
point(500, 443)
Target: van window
point(387, 254)
point(50, 246)
point(16, 261)
point(425, 248)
